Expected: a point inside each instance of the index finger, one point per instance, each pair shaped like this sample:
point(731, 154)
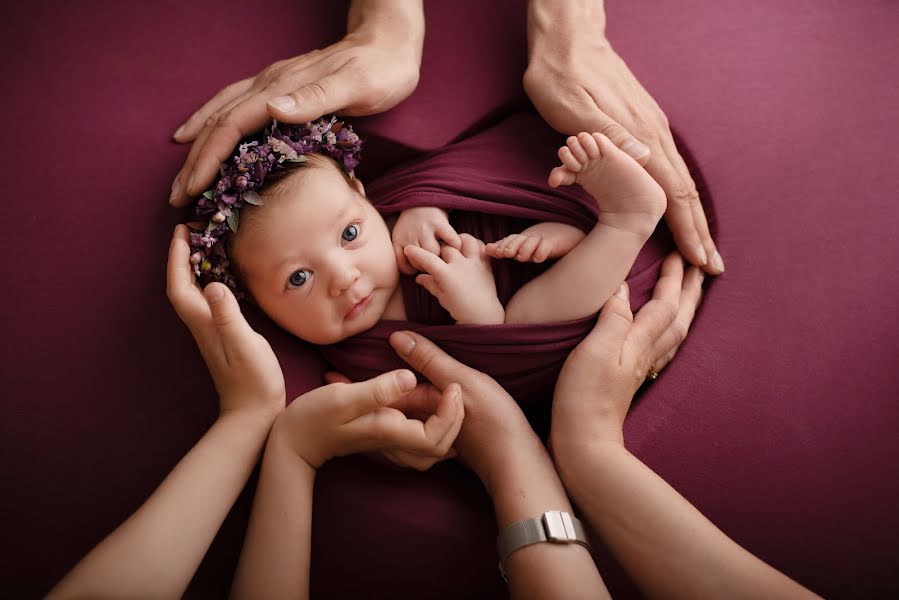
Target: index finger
point(427, 358)
point(679, 214)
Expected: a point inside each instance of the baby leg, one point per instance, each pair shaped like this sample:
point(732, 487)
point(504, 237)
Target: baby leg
point(630, 205)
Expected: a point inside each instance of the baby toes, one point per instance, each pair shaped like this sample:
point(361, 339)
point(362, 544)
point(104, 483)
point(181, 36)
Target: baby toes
point(561, 176)
point(513, 243)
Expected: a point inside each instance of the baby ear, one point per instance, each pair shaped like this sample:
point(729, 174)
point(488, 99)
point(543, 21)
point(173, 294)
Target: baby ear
point(357, 184)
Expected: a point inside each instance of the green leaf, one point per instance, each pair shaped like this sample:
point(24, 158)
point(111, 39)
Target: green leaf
point(268, 132)
point(252, 197)
point(209, 194)
point(234, 220)
point(298, 159)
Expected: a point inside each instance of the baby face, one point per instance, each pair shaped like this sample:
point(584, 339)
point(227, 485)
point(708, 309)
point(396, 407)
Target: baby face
point(312, 252)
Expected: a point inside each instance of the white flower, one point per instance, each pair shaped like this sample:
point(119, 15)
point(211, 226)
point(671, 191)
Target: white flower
point(282, 148)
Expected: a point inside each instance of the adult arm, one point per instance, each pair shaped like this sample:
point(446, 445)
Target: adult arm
point(500, 446)
point(578, 83)
point(667, 546)
point(157, 550)
point(372, 69)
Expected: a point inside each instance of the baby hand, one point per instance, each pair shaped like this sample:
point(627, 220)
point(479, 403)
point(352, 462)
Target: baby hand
point(421, 227)
point(537, 243)
point(462, 281)
point(344, 418)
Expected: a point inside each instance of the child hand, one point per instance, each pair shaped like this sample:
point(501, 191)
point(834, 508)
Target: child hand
point(243, 366)
point(462, 281)
point(422, 227)
point(345, 418)
point(537, 243)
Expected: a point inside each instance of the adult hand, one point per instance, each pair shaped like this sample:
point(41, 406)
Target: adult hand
point(369, 71)
point(495, 430)
point(344, 418)
point(578, 83)
point(601, 375)
point(243, 366)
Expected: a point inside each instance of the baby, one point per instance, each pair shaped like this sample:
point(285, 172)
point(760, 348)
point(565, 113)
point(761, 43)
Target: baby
point(318, 258)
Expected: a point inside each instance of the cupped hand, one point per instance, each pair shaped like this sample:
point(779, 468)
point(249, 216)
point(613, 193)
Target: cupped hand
point(243, 366)
point(359, 75)
point(601, 375)
point(344, 418)
point(579, 83)
point(494, 428)
point(424, 227)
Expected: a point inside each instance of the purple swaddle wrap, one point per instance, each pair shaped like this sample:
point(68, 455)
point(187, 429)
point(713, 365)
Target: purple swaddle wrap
point(489, 203)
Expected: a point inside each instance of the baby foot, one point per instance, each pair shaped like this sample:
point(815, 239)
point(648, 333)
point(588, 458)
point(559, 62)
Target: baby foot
point(627, 196)
point(537, 243)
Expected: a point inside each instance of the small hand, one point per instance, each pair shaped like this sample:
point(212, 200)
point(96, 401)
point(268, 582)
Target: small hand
point(462, 281)
point(423, 227)
point(537, 243)
point(578, 83)
point(243, 366)
point(359, 75)
point(598, 380)
point(344, 418)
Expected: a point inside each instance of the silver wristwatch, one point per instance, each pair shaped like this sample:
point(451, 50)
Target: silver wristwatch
point(552, 526)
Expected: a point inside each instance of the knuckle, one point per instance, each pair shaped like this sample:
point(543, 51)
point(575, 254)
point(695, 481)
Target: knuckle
point(314, 92)
point(679, 329)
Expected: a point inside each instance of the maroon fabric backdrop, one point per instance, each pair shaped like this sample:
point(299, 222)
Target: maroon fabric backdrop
point(778, 419)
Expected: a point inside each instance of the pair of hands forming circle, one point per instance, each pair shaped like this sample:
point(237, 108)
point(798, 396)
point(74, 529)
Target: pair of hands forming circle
point(577, 83)
point(460, 411)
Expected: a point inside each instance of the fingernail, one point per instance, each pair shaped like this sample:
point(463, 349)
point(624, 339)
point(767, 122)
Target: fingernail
point(621, 292)
point(176, 191)
point(283, 103)
point(635, 149)
point(717, 262)
point(178, 132)
point(703, 259)
point(403, 343)
point(405, 380)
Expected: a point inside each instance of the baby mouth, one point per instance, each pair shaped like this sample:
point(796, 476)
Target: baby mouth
point(357, 308)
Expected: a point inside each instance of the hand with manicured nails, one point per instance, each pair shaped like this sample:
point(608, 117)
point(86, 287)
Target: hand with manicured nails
point(243, 366)
point(600, 376)
point(424, 227)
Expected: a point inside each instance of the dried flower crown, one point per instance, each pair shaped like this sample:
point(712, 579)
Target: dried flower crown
point(218, 210)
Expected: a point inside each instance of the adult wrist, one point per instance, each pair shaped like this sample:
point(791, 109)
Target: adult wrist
point(560, 25)
point(388, 22)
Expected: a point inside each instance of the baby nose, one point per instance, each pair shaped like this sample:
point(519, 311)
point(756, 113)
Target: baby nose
point(345, 275)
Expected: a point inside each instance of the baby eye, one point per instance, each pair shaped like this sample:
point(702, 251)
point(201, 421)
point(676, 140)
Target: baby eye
point(298, 278)
point(350, 233)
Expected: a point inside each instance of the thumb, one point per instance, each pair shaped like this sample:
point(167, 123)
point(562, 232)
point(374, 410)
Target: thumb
point(427, 358)
point(622, 138)
point(225, 311)
point(330, 94)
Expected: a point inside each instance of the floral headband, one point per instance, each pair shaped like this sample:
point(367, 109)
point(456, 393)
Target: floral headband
point(218, 210)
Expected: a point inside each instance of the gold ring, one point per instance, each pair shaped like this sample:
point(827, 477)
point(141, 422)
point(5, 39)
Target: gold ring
point(653, 374)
